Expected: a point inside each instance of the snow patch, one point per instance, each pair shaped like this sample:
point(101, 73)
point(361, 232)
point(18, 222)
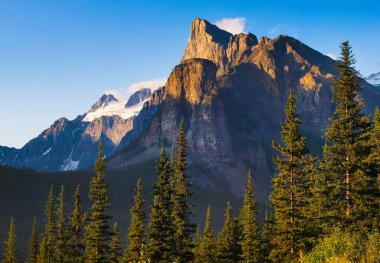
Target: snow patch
point(69, 164)
point(47, 151)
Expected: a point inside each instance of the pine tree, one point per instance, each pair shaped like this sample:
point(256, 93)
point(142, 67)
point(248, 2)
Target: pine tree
point(10, 245)
point(75, 230)
point(229, 240)
point(47, 247)
point(347, 182)
point(115, 245)
point(136, 233)
point(182, 210)
point(250, 228)
point(267, 235)
point(33, 244)
point(61, 251)
point(161, 229)
point(98, 232)
point(206, 252)
point(291, 190)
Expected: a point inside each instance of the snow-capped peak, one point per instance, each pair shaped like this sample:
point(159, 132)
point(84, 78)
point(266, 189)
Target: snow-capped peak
point(109, 105)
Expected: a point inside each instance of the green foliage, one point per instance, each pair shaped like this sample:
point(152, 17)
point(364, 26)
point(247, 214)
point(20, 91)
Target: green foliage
point(348, 184)
point(10, 245)
point(267, 234)
point(161, 228)
point(33, 244)
point(206, 251)
point(292, 196)
point(251, 245)
point(75, 230)
point(98, 233)
point(229, 240)
point(136, 233)
point(182, 210)
point(48, 243)
point(115, 246)
point(344, 246)
point(61, 251)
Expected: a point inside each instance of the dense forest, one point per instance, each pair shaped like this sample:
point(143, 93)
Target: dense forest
point(323, 209)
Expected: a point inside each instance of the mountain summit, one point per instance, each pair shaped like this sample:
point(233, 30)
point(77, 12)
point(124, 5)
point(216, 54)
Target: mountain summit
point(230, 91)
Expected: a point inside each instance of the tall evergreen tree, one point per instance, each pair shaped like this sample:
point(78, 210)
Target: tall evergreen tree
point(267, 235)
point(250, 227)
point(33, 244)
point(136, 233)
point(182, 210)
point(206, 252)
point(291, 190)
point(75, 230)
point(161, 229)
point(98, 231)
point(115, 245)
point(229, 240)
point(10, 245)
point(61, 250)
point(347, 182)
point(47, 247)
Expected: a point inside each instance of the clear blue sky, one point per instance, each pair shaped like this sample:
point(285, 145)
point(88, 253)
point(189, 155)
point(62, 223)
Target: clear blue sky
point(58, 57)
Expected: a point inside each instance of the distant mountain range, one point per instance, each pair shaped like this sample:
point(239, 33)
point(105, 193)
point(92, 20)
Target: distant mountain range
point(374, 79)
point(229, 89)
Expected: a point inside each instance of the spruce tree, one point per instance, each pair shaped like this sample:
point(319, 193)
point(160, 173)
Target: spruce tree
point(33, 244)
point(206, 252)
point(347, 182)
point(115, 246)
point(161, 230)
point(98, 230)
point(267, 235)
point(250, 227)
point(61, 251)
point(291, 194)
point(10, 245)
point(229, 240)
point(136, 231)
point(47, 247)
point(182, 210)
point(75, 230)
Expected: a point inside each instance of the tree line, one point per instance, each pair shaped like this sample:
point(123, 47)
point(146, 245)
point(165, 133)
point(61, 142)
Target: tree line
point(321, 209)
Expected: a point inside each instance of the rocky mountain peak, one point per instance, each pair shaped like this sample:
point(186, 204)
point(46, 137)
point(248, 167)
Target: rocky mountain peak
point(105, 100)
point(138, 97)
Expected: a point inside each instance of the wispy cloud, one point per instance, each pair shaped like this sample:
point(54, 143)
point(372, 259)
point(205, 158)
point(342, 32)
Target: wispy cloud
point(284, 29)
point(123, 94)
point(332, 55)
point(233, 25)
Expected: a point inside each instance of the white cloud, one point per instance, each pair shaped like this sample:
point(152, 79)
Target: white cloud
point(284, 29)
point(332, 55)
point(123, 94)
point(233, 25)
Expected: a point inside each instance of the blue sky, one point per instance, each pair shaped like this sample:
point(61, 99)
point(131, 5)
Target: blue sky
point(58, 57)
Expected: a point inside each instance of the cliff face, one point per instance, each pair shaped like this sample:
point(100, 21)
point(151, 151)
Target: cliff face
point(231, 90)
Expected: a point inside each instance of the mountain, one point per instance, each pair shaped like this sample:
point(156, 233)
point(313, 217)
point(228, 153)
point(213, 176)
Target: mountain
point(230, 90)
point(72, 144)
point(374, 79)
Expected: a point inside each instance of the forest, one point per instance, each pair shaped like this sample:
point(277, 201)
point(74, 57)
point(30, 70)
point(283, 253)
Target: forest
point(321, 209)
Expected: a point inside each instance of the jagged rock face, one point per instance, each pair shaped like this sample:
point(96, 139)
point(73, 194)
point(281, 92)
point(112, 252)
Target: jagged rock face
point(138, 96)
point(105, 100)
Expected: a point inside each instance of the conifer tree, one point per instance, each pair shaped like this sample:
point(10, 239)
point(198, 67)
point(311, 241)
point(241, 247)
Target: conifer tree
point(206, 252)
point(182, 210)
point(347, 181)
point(266, 237)
point(161, 229)
point(229, 240)
point(98, 230)
point(291, 194)
point(10, 245)
point(33, 244)
point(61, 252)
point(47, 247)
point(250, 227)
point(75, 230)
point(115, 245)
point(136, 233)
